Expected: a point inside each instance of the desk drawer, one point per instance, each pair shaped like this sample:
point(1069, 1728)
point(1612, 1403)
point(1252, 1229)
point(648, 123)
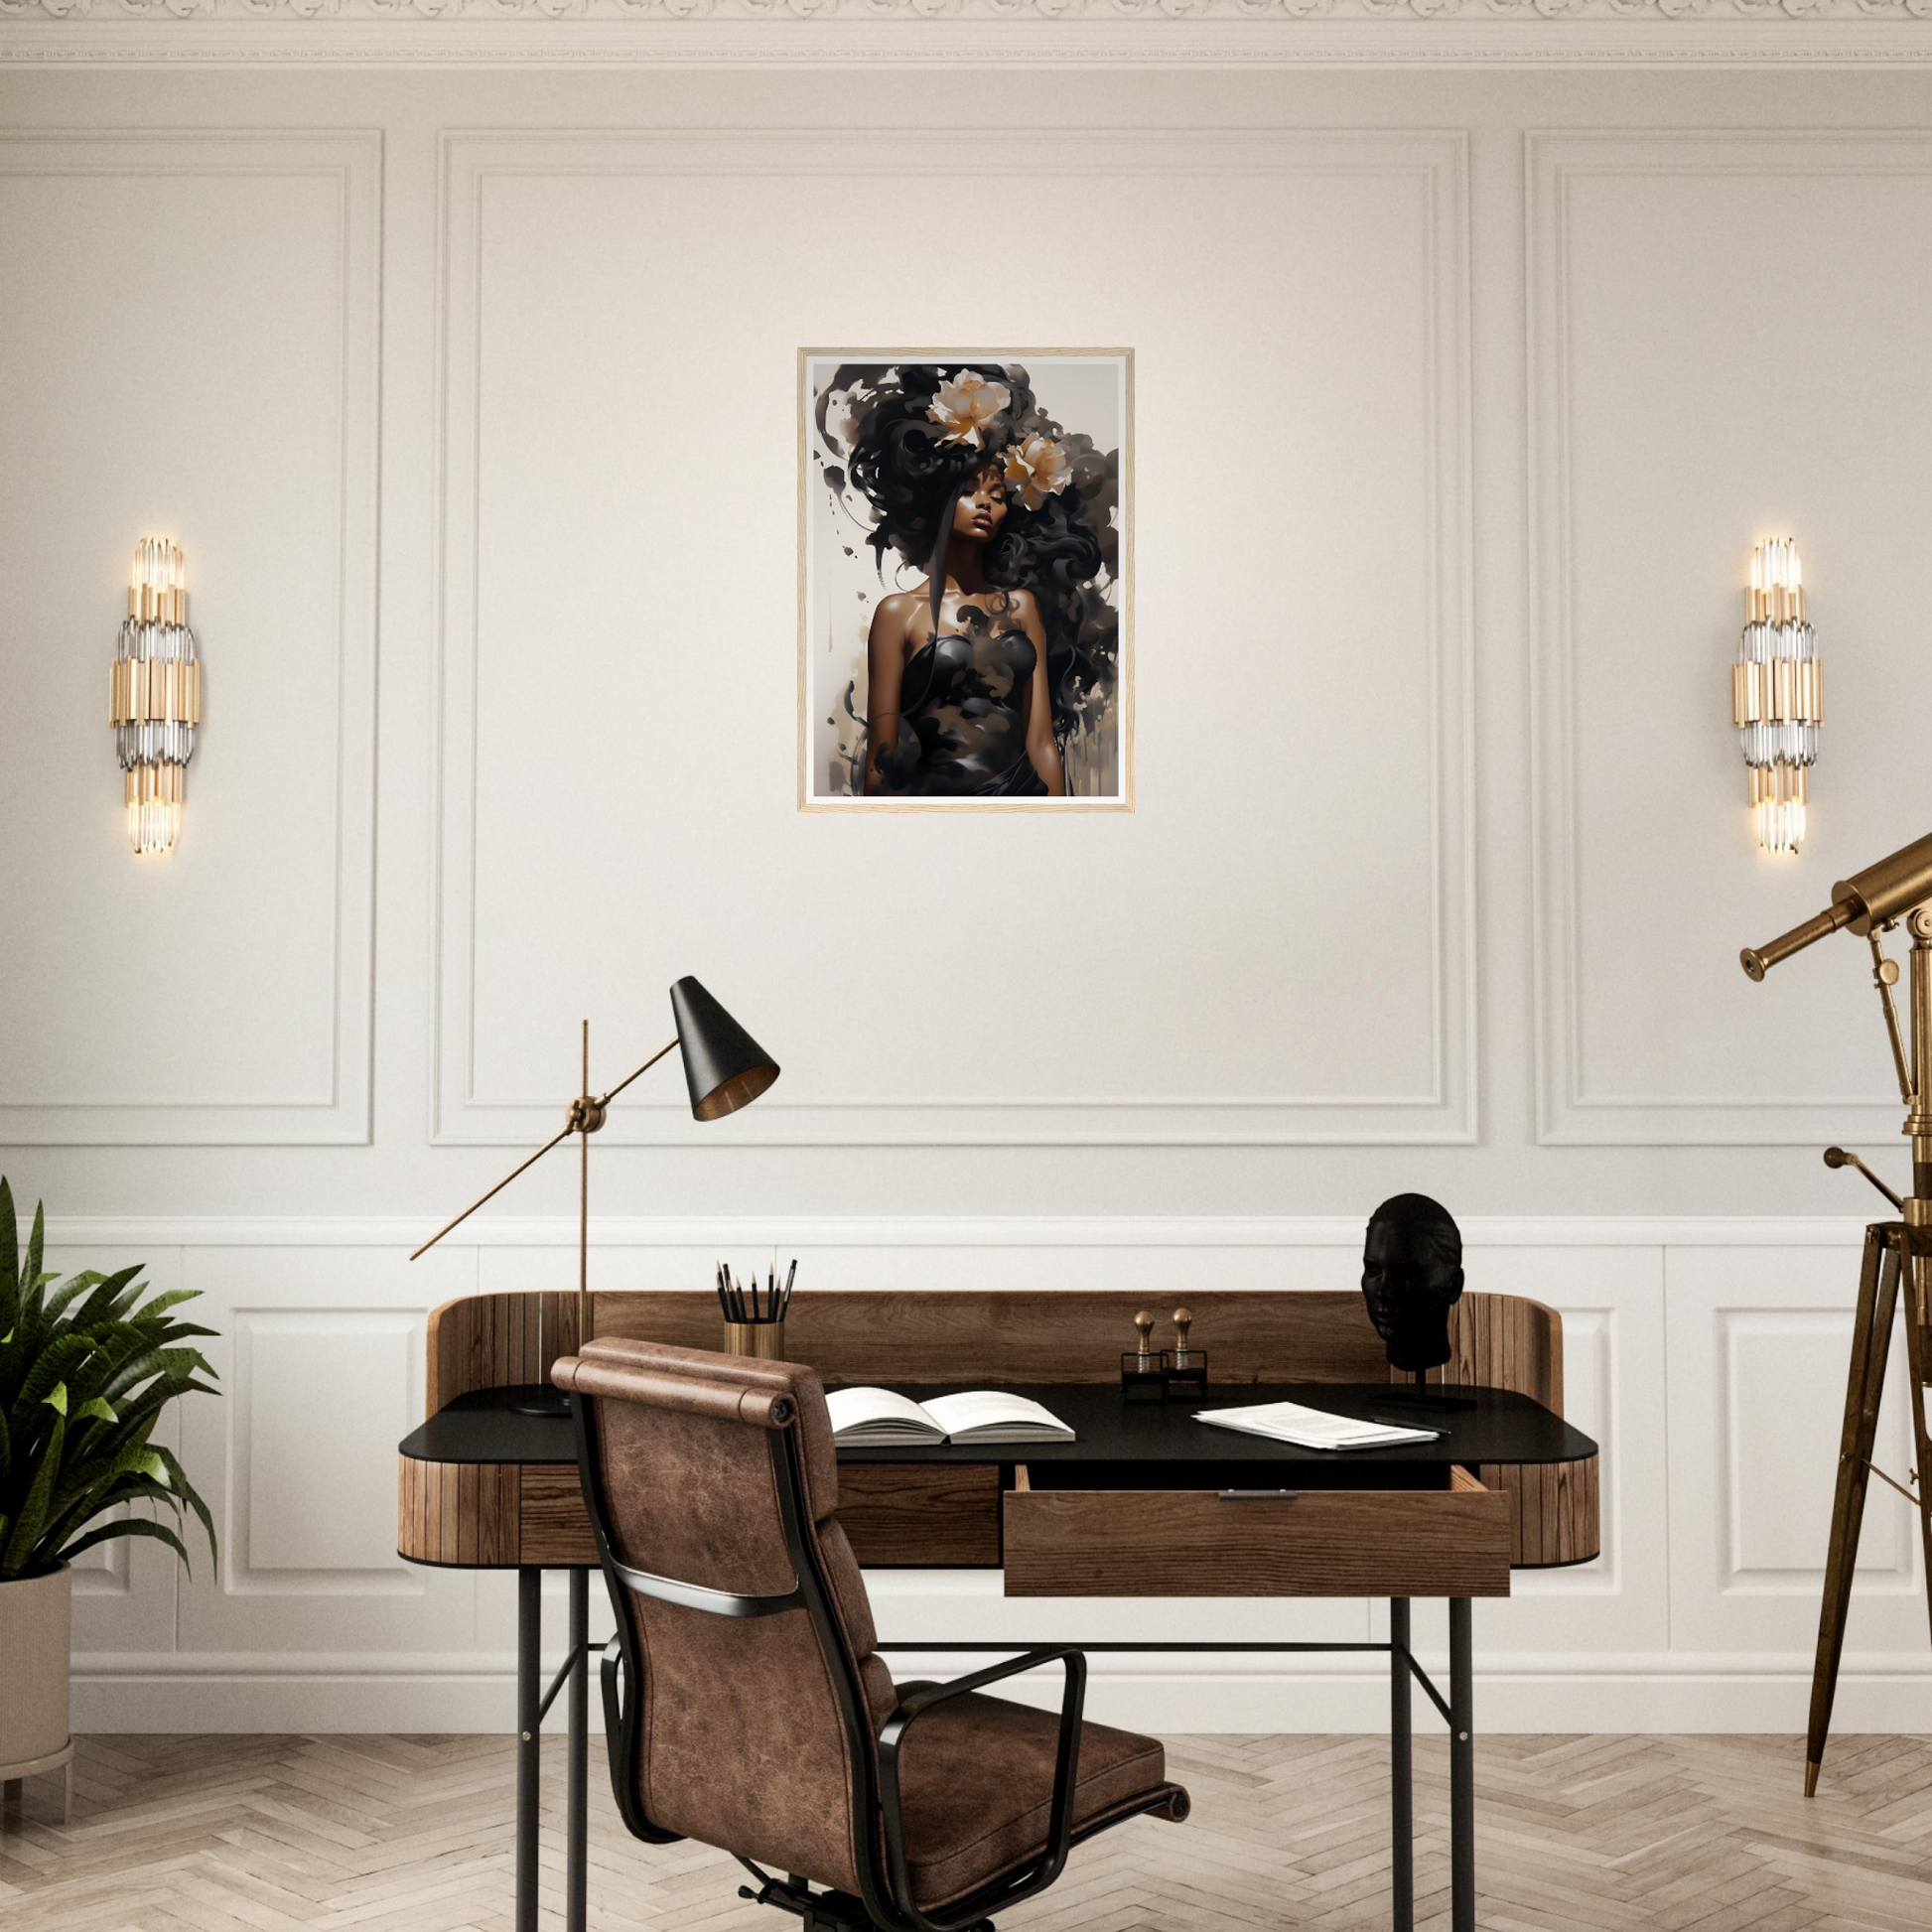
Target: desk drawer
point(921, 1513)
point(1450, 1538)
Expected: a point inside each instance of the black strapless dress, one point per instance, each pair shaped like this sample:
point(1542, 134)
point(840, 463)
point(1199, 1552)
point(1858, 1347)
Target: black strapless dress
point(961, 731)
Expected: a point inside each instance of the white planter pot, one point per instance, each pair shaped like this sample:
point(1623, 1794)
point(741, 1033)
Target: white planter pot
point(35, 1619)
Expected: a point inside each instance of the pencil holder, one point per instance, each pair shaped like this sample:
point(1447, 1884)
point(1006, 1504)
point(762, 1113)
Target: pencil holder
point(765, 1339)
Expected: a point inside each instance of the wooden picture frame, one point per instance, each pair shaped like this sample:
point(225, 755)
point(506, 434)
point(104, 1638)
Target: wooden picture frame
point(852, 556)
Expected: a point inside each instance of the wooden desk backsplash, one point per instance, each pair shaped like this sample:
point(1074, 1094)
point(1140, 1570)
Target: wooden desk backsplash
point(1501, 1341)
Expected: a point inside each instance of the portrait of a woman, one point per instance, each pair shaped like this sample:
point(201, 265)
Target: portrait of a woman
point(989, 663)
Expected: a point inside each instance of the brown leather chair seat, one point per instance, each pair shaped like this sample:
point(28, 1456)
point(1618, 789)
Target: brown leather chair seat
point(976, 1776)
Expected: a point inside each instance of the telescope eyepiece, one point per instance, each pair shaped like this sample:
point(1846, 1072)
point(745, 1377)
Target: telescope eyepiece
point(1759, 960)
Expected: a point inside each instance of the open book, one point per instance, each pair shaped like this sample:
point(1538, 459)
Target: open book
point(1288, 1422)
point(878, 1419)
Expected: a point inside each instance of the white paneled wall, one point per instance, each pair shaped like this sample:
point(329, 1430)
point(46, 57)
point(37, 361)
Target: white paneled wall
point(1710, 1373)
point(470, 392)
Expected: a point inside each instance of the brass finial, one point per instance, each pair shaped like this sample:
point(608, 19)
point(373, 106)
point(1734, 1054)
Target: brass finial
point(1144, 1329)
point(1183, 1320)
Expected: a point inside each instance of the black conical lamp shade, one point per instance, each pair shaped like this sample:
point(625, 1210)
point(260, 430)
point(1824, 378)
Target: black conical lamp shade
point(724, 1066)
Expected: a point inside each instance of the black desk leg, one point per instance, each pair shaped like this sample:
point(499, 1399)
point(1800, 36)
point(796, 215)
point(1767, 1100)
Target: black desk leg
point(529, 1738)
point(1463, 1772)
point(580, 1744)
point(1402, 1809)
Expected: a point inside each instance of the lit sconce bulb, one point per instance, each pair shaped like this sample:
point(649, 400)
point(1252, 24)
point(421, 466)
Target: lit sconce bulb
point(1777, 694)
point(154, 695)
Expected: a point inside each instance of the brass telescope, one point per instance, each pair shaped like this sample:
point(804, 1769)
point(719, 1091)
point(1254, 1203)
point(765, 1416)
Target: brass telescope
point(1898, 1254)
point(1874, 897)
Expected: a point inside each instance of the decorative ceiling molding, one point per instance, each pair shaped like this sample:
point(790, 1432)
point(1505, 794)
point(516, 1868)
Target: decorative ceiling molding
point(1093, 34)
point(990, 10)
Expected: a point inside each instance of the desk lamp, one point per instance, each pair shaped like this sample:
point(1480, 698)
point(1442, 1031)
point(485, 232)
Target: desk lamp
point(725, 1069)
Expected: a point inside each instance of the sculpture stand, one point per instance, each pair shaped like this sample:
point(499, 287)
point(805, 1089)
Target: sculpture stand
point(1426, 1402)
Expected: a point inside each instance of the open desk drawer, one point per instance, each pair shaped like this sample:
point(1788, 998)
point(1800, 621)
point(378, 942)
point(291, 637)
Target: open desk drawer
point(1442, 1535)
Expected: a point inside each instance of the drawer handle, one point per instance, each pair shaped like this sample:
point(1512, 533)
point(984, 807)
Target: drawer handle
point(1258, 1495)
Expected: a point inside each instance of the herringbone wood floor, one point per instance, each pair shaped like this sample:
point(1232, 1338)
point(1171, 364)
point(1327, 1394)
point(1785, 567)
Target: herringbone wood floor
point(1610, 1834)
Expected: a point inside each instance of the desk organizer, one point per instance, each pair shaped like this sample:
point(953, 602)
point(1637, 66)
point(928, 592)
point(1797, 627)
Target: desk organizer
point(1183, 1375)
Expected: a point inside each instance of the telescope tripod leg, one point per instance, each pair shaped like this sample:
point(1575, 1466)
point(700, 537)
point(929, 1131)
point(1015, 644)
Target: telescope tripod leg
point(1871, 1345)
point(1918, 1357)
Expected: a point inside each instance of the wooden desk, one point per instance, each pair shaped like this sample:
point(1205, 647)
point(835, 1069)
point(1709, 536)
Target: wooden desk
point(1131, 1508)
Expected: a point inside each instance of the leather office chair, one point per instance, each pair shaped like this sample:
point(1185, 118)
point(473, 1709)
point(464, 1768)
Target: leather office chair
point(745, 1704)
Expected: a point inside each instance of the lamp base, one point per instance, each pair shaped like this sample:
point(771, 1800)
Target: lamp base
point(540, 1398)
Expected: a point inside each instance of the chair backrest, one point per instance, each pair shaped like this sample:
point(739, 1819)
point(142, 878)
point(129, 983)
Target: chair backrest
point(711, 1482)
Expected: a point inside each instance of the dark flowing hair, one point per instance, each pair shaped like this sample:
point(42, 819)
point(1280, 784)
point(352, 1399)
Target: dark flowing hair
point(888, 448)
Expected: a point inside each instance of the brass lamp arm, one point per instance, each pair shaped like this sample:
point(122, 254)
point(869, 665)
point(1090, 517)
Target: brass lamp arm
point(563, 1133)
point(574, 1124)
point(605, 1100)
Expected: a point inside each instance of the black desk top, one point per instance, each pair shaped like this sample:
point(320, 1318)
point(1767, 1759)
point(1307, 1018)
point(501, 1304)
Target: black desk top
point(1499, 1426)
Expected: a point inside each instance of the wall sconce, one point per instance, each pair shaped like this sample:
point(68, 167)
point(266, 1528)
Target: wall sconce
point(155, 697)
point(1777, 694)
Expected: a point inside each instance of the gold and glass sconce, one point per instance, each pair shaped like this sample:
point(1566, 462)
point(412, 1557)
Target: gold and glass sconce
point(155, 700)
point(1777, 694)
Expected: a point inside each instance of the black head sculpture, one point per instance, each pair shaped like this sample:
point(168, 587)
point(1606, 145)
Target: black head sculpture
point(1411, 1276)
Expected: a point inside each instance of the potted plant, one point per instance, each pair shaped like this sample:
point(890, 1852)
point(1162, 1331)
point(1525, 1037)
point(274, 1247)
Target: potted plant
point(86, 1370)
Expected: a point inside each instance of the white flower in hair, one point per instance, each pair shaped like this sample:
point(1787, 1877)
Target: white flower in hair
point(965, 406)
point(1038, 469)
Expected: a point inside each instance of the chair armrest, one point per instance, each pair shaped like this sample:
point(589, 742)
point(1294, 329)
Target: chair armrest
point(1066, 1764)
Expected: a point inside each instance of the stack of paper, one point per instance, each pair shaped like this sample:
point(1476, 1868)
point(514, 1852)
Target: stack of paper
point(1290, 1422)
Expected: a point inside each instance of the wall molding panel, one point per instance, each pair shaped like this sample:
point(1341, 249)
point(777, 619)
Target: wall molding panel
point(1572, 1106)
point(300, 1374)
point(1337, 1237)
point(1751, 1518)
point(1760, 1344)
point(350, 163)
point(1434, 165)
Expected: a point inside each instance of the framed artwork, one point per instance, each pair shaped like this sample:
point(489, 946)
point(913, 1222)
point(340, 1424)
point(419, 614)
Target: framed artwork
point(965, 578)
